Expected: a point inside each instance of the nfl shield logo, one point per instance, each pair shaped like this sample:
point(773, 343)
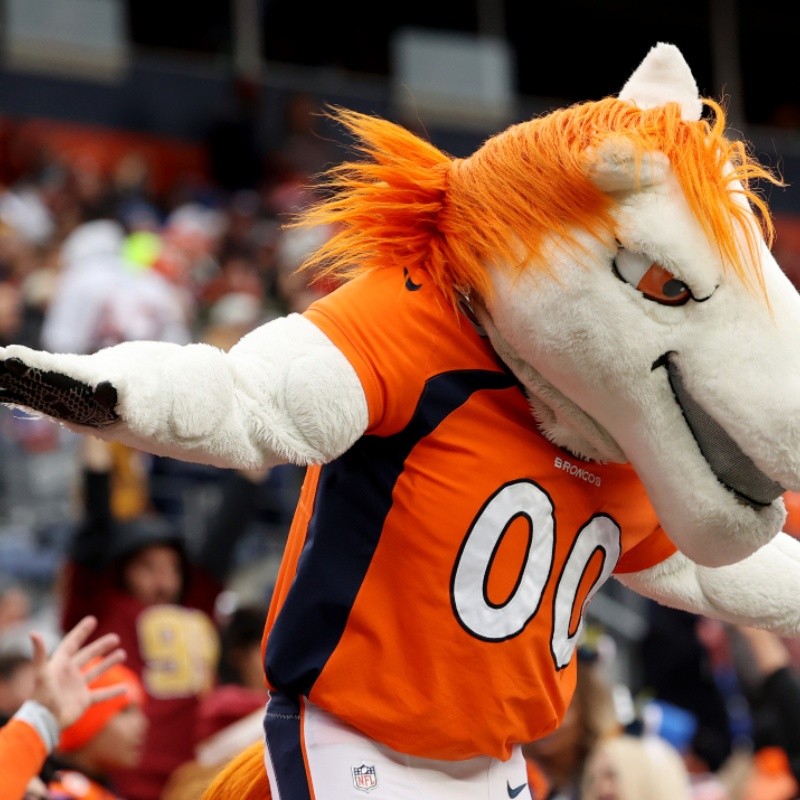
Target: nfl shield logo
point(364, 777)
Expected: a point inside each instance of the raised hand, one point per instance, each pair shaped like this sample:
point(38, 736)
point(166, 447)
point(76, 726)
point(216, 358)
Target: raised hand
point(56, 395)
point(61, 684)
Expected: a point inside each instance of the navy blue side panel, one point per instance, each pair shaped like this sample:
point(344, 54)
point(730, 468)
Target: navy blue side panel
point(282, 730)
point(354, 497)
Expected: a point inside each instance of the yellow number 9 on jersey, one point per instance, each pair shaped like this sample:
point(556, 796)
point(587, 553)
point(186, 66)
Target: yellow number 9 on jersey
point(179, 648)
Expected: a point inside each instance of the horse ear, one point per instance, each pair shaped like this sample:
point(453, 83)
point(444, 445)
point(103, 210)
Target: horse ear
point(664, 77)
point(613, 167)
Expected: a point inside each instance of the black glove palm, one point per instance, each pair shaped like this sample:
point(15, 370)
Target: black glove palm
point(56, 395)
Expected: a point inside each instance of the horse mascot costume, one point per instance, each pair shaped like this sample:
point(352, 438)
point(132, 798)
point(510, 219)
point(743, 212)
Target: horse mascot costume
point(566, 357)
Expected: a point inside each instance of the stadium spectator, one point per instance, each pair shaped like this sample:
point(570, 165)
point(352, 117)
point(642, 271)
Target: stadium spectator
point(599, 752)
point(230, 717)
point(628, 767)
point(230, 318)
point(190, 239)
point(101, 299)
point(678, 669)
point(142, 582)
point(91, 269)
point(22, 612)
point(15, 604)
point(108, 735)
point(772, 685)
point(60, 695)
point(240, 661)
point(556, 762)
point(17, 676)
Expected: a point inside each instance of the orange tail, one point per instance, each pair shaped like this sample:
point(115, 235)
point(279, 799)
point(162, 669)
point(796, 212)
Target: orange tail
point(243, 778)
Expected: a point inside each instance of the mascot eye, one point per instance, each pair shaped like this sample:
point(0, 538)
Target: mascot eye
point(650, 278)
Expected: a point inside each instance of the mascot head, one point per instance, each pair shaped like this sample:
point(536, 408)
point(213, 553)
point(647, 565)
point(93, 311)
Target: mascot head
point(617, 254)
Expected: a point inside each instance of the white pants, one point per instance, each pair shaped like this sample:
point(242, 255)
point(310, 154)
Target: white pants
point(314, 756)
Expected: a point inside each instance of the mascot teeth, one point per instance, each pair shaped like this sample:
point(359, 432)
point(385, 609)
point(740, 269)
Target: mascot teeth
point(733, 468)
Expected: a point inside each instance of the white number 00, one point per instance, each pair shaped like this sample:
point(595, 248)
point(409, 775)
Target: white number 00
point(487, 620)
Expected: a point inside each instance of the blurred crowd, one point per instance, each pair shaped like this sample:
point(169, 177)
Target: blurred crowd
point(90, 257)
point(177, 560)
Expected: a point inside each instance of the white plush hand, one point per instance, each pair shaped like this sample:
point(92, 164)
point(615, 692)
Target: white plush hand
point(60, 684)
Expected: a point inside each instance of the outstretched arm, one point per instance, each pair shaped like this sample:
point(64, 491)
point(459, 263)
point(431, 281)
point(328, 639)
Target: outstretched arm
point(87, 581)
point(91, 543)
point(283, 393)
point(228, 523)
point(761, 591)
point(764, 663)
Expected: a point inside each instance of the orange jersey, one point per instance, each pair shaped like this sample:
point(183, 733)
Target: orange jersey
point(435, 574)
point(22, 755)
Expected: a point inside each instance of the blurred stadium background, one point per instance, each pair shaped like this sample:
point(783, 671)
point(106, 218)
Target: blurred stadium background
point(461, 69)
point(80, 69)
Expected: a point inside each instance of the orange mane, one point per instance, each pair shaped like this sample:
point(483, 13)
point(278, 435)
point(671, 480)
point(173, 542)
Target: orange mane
point(408, 204)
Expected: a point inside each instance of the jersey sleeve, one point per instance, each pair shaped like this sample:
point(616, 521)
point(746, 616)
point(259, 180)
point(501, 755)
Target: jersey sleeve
point(22, 754)
point(333, 326)
point(652, 550)
point(389, 334)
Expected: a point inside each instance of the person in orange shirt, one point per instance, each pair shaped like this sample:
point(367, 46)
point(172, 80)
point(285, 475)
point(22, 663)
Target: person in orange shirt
point(108, 735)
point(61, 695)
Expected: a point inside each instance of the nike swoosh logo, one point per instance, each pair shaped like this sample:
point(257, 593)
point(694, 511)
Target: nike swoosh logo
point(410, 285)
point(513, 792)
